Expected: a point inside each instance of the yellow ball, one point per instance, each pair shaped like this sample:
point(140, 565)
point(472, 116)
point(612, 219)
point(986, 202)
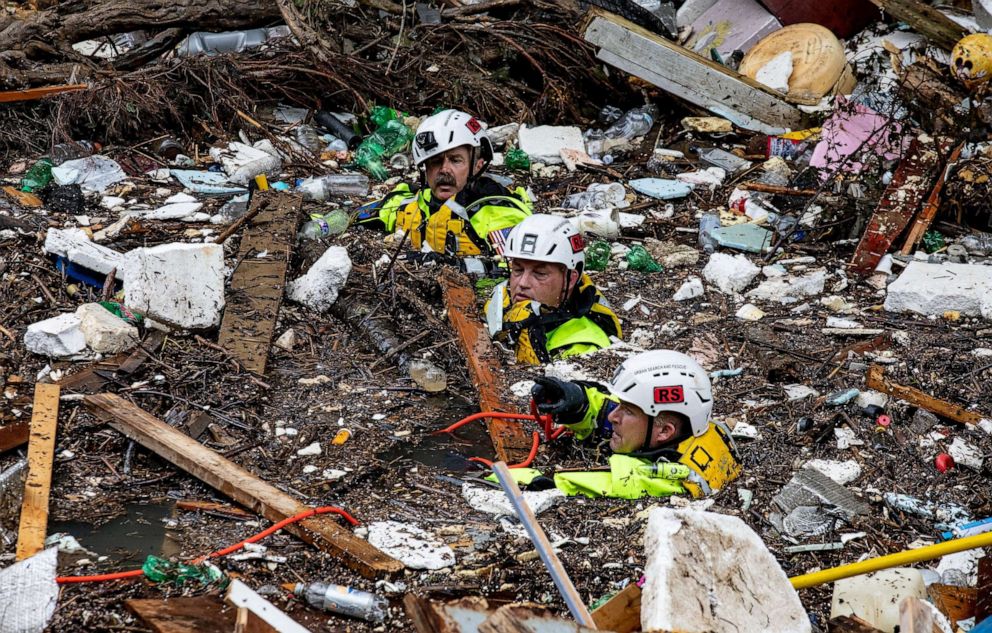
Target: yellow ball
point(971, 59)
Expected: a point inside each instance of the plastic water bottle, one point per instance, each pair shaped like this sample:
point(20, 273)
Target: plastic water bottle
point(321, 226)
point(324, 187)
point(71, 151)
point(344, 600)
point(980, 244)
point(634, 123)
point(707, 223)
point(309, 138)
point(428, 376)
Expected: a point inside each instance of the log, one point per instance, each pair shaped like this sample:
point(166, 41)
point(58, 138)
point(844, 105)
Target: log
point(238, 484)
point(877, 381)
point(41, 453)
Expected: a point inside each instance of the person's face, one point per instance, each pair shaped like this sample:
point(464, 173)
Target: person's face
point(447, 173)
point(538, 281)
point(630, 427)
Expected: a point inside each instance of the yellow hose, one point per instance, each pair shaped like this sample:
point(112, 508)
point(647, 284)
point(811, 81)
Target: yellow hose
point(899, 559)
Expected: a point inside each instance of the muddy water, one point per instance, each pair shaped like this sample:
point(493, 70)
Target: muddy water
point(447, 451)
point(129, 538)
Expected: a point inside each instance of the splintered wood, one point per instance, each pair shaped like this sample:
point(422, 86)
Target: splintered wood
point(902, 198)
point(200, 614)
point(877, 381)
point(511, 442)
point(255, 295)
point(41, 451)
point(239, 484)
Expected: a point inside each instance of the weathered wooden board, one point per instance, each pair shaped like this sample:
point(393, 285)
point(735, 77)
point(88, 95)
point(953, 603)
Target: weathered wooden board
point(252, 302)
point(910, 184)
point(238, 484)
point(689, 76)
point(41, 452)
point(200, 614)
point(925, 20)
point(877, 381)
point(929, 212)
point(622, 612)
point(511, 442)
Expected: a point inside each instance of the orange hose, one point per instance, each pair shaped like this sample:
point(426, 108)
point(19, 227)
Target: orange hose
point(523, 464)
point(135, 573)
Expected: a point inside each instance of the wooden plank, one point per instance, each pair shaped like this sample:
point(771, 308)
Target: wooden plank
point(877, 381)
point(689, 76)
point(201, 614)
point(622, 612)
point(957, 603)
point(983, 592)
point(257, 286)
point(238, 484)
point(929, 211)
point(41, 453)
point(925, 20)
point(13, 435)
point(33, 94)
point(511, 442)
point(902, 198)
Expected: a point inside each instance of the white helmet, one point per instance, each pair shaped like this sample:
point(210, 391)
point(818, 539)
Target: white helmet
point(664, 380)
point(447, 130)
point(546, 238)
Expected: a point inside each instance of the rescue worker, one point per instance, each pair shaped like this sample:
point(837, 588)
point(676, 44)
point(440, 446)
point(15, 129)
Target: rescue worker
point(549, 308)
point(456, 210)
point(655, 414)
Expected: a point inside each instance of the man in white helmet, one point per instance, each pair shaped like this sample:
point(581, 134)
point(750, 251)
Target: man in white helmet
point(457, 210)
point(655, 415)
point(549, 308)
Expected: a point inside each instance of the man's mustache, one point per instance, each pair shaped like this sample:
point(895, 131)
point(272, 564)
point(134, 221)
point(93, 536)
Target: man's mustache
point(445, 179)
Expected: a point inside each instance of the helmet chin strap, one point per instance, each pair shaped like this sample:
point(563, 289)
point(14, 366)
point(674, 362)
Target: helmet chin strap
point(647, 436)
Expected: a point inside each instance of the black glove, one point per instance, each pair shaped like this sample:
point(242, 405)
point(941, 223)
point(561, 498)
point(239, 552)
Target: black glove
point(565, 401)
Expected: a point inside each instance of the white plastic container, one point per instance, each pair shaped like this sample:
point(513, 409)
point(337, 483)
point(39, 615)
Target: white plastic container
point(875, 597)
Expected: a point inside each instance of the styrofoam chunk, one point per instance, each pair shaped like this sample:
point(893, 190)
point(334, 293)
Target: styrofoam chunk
point(730, 273)
point(789, 289)
point(691, 289)
point(180, 284)
point(933, 289)
point(75, 245)
point(544, 143)
point(710, 573)
point(319, 287)
point(57, 336)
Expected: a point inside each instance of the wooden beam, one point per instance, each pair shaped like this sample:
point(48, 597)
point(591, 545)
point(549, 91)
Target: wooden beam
point(877, 381)
point(41, 453)
point(257, 286)
point(929, 211)
point(622, 612)
point(13, 435)
point(511, 442)
point(200, 614)
point(238, 484)
point(689, 76)
point(925, 20)
point(33, 94)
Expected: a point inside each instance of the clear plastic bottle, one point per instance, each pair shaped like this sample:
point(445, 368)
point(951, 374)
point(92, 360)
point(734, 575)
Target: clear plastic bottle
point(344, 600)
point(428, 376)
point(979, 244)
point(73, 150)
point(321, 226)
point(610, 115)
point(707, 223)
point(308, 137)
point(324, 187)
point(634, 123)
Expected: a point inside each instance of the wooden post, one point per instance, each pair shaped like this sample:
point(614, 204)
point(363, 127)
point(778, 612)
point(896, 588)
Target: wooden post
point(41, 452)
point(877, 381)
point(238, 484)
point(511, 442)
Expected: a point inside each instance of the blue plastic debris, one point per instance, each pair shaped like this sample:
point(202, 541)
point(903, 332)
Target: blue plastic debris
point(210, 183)
point(747, 237)
point(661, 188)
point(838, 398)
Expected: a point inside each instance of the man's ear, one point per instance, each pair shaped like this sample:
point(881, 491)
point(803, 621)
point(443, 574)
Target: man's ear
point(665, 431)
point(479, 163)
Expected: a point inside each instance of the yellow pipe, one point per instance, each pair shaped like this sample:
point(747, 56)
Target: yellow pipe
point(899, 559)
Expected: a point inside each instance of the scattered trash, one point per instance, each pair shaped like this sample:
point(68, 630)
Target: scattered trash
point(410, 545)
point(344, 600)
